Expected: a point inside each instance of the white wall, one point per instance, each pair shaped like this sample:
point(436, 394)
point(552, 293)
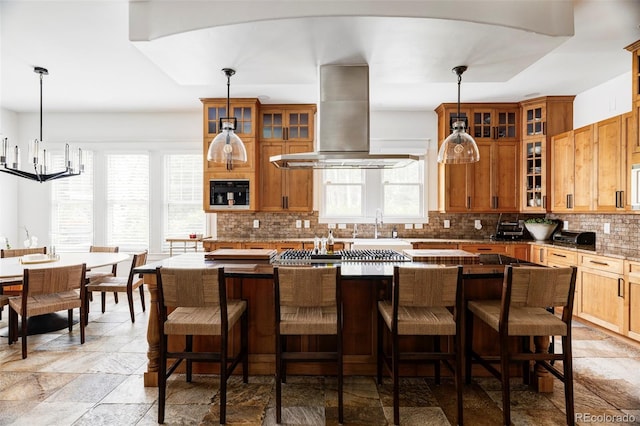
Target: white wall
point(604, 101)
point(8, 184)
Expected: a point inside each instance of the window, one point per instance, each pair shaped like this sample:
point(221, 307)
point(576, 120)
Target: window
point(127, 193)
point(72, 206)
point(353, 195)
point(183, 193)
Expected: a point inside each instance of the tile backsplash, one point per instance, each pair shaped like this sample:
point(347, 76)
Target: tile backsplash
point(624, 233)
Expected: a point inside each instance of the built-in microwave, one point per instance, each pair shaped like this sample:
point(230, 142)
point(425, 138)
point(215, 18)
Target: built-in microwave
point(229, 194)
point(635, 186)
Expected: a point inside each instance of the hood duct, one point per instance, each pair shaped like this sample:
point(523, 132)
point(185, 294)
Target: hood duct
point(343, 135)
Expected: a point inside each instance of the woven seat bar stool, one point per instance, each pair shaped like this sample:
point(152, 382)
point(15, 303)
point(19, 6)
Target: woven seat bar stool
point(425, 301)
point(122, 285)
point(308, 302)
point(193, 302)
point(522, 312)
point(45, 291)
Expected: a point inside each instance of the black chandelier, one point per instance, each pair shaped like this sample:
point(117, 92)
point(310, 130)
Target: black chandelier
point(39, 159)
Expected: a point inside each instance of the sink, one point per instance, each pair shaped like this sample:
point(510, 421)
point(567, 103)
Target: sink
point(380, 243)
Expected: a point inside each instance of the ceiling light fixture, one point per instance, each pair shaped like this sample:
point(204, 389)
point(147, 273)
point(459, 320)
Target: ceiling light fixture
point(227, 147)
point(36, 158)
point(459, 147)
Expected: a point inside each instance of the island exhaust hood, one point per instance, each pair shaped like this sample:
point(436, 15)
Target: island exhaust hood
point(343, 135)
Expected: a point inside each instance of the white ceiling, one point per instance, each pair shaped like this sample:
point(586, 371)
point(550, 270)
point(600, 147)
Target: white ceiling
point(95, 67)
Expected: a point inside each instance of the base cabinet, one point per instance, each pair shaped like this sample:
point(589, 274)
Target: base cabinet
point(601, 284)
point(632, 300)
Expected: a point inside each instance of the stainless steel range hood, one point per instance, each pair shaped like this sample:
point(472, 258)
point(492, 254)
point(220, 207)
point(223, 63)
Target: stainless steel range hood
point(343, 135)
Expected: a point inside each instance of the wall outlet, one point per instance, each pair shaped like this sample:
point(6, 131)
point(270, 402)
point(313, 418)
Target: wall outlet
point(477, 224)
point(565, 225)
point(256, 223)
point(298, 223)
point(408, 226)
point(418, 226)
point(446, 223)
point(342, 226)
point(332, 226)
point(607, 228)
point(307, 223)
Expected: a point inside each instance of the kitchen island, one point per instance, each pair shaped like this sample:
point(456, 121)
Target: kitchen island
point(364, 283)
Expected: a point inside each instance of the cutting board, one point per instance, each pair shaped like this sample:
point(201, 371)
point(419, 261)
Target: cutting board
point(443, 256)
point(243, 255)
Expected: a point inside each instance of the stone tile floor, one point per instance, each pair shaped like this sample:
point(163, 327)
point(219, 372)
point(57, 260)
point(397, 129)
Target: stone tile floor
point(100, 383)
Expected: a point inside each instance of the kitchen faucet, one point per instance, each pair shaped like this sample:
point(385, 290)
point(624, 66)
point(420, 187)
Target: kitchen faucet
point(378, 222)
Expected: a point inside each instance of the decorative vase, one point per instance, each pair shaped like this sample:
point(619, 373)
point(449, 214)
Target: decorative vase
point(541, 231)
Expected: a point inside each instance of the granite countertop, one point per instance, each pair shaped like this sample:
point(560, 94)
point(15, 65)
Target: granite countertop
point(632, 254)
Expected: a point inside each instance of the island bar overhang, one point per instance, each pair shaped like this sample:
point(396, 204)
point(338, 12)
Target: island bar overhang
point(364, 283)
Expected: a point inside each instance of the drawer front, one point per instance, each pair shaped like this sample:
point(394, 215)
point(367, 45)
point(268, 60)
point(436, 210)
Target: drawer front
point(559, 257)
point(601, 263)
point(484, 248)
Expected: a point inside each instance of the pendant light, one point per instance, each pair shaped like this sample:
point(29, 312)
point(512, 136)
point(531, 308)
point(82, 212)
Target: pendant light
point(72, 167)
point(459, 147)
point(227, 147)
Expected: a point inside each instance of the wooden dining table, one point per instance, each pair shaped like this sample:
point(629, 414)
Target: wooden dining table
point(12, 268)
point(12, 271)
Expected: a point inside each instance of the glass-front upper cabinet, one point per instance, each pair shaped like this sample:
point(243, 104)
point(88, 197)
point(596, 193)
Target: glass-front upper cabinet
point(287, 123)
point(494, 123)
point(535, 120)
point(243, 110)
point(535, 176)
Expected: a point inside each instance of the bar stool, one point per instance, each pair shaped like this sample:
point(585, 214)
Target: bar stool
point(308, 301)
point(198, 299)
point(418, 307)
point(526, 294)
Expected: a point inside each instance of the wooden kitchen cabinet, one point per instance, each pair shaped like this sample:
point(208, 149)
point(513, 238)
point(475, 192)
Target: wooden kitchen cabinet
point(562, 258)
point(285, 190)
point(541, 119)
point(519, 251)
point(610, 165)
point(601, 283)
point(211, 246)
point(634, 140)
point(538, 254)
point(287, 123)
point(572, 170)
point(285, 129)
point(484, 248)
point(490, 185)
point(631, 316)
point(434, 245)
point(245, 112)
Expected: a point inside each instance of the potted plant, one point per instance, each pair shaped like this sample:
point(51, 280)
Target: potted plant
point(540, 228)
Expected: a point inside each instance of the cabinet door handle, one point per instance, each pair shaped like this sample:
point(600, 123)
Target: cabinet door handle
point(544, 127)
point(541, 255)
point(620, 287)
point(544, 201)
point(558, 255)
point(286, 202)
point(468, 202)
point(595, 262)
point(483, 249)
point(567, 201)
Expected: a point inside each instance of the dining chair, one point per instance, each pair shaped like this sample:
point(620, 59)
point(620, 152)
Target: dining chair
point(308, 302)
point(95, 274)
point(193, 302)
point(425, 301)
point(522, 312)
point(45, 291)
point(121, 285)
point(13, 286)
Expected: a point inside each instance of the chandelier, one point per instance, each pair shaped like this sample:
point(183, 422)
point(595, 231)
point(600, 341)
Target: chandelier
point(37, 159)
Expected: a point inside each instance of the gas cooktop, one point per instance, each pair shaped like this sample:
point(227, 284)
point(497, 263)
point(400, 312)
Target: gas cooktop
point(371, 255)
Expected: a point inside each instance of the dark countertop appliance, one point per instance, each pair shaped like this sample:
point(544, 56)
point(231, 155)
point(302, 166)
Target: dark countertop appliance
point(575, 238)
point(507, 231)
